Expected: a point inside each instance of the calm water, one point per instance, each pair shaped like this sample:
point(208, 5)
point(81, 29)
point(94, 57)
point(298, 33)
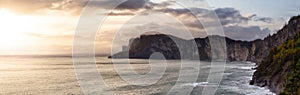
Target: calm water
point(56, 76)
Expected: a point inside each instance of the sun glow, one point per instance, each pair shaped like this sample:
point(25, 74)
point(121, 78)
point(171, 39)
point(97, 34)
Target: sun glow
point(12, 29)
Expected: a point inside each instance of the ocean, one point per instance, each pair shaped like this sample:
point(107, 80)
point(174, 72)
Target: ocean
point(56, 76)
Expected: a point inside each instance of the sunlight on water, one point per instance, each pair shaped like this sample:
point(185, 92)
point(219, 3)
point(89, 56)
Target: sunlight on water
point(56, 76)
point(37, 76)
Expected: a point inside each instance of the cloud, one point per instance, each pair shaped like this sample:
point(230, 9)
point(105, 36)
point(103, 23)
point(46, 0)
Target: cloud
point(133, 4)
point(264, 19)
point(27, 6)
point(230, 16)
point(40, 35)
point(183, 11)
point(121, 14)
point(234, 24)
point(106, 4)
point(165, 4)
point(225, 15)
point(246, 33)
point(194, 24)
point(250, 15)
point(34, 6)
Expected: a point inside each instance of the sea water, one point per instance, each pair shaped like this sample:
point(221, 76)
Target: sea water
point(56, 76)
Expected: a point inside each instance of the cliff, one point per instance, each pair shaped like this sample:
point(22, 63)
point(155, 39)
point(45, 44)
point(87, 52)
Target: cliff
point(280, 71)
point(175, 48)
point(254, 51)
point(278, 55)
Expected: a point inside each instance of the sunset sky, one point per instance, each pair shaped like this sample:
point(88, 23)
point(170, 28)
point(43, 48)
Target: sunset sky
point(47, 27)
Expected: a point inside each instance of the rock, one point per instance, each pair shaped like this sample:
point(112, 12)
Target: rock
point(251, 82)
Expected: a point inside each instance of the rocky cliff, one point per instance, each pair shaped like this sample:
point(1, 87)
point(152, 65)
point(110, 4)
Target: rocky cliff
point(176, 48)
point(280, 70)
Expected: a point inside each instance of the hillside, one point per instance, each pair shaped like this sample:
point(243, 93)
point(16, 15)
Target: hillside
point(280, 71)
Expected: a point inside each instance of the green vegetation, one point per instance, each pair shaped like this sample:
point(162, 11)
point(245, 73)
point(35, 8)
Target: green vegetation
point(284, 61)
point(293, 85)
point(293, 52)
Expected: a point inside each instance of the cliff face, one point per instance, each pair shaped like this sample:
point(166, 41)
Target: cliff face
point(263, 47)
point(254, 51)
point(176, 48)
point(280, 71)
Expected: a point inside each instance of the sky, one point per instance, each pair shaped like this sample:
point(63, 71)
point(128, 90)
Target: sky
point(47, 27)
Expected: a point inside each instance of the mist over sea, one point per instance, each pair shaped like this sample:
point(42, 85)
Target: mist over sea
point(56, 76)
